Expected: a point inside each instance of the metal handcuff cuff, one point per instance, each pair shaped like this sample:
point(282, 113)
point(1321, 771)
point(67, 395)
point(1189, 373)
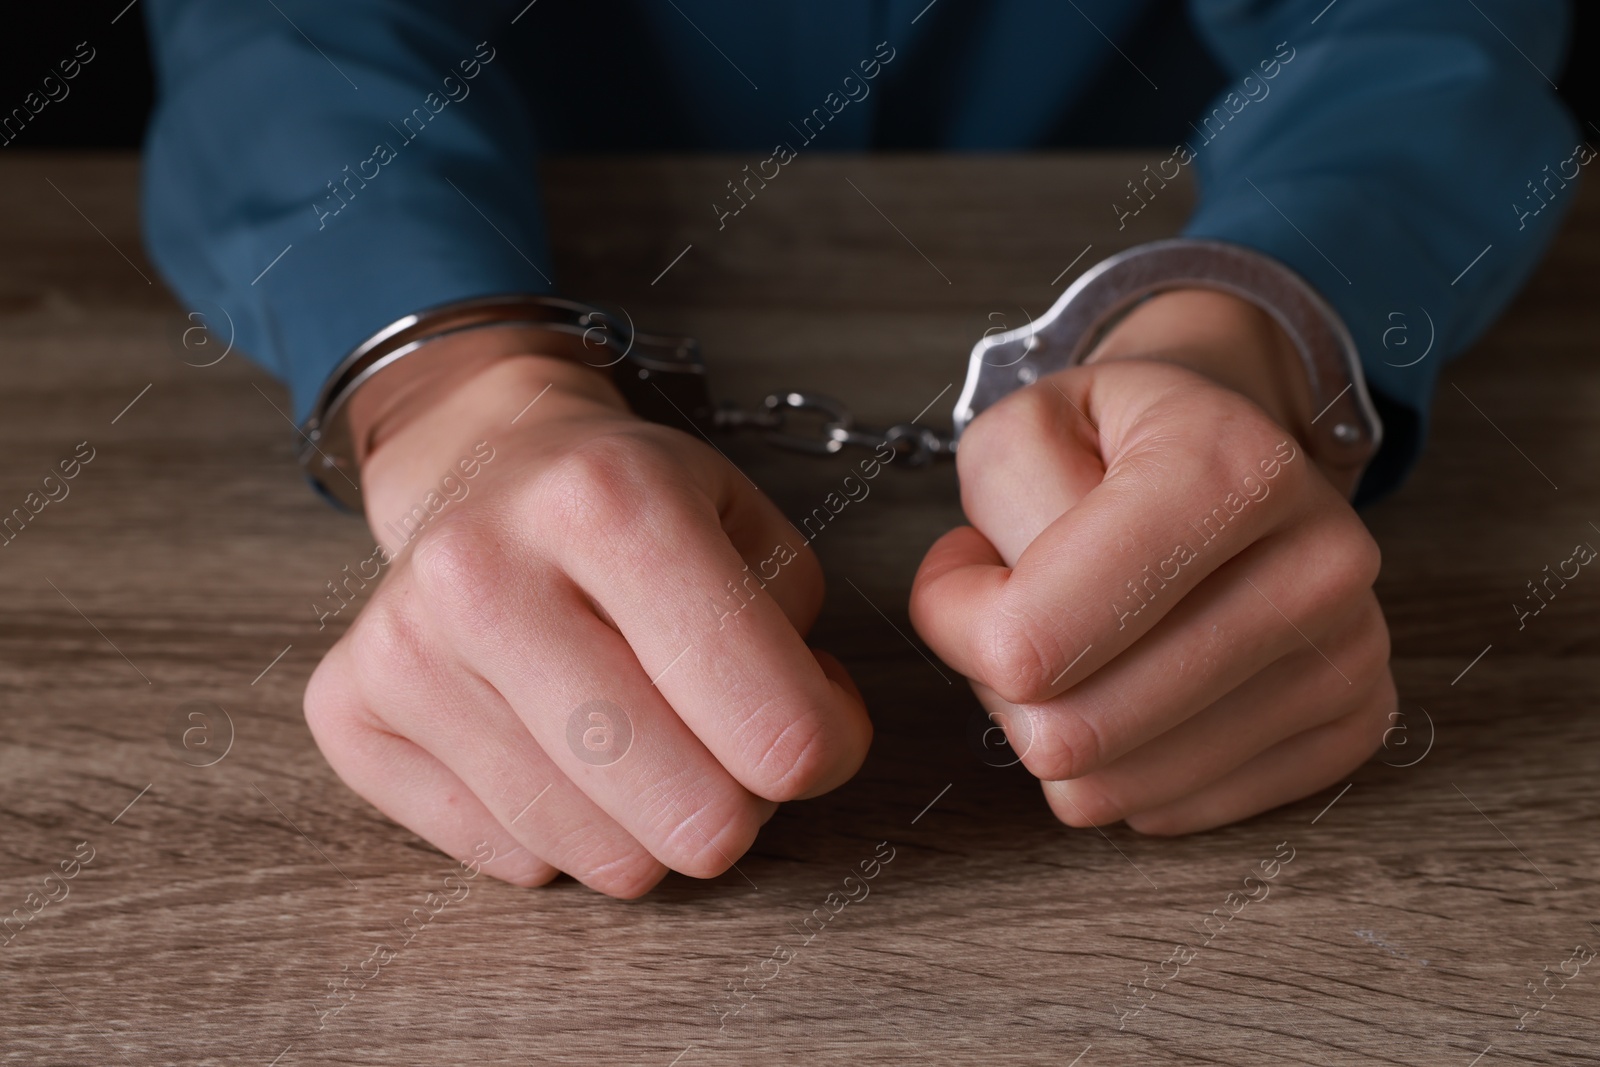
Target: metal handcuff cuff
point(663, 379)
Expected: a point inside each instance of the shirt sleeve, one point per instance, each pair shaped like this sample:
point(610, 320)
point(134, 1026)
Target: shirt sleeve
point(1410, 160)
point(315, 171)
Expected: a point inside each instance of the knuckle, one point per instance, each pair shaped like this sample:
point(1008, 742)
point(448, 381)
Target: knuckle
point(596, 487)
point(626, 877)
point(1368, 561)
point(386, 638)
point(1375, 642)
point(1361, 645)
point(1242, 450)
point(706, 840)
point(521, 867)
point(332, 700)
point(600, 856)
point(451, 566)
point(1266, 443)
point(1347, 566)
point(803, 756)
point(1012, 661)
point(1063, 746)
point(1354, 558)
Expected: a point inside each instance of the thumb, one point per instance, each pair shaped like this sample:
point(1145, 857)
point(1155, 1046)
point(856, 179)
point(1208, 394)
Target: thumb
point(1029, 459)
point(961, 568)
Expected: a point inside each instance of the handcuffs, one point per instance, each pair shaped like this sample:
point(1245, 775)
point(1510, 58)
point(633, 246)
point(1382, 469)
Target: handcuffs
point(663, 378)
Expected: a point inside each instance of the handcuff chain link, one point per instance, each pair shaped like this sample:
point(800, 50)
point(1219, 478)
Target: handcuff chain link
point(915, 444)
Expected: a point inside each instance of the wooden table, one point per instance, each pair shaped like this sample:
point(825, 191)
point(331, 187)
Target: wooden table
point(222, 901)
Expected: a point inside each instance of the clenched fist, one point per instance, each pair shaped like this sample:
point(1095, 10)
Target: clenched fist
point(591, 657)
point(1162, 600)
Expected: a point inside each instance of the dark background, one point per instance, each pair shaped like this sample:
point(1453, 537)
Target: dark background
point(117, 89)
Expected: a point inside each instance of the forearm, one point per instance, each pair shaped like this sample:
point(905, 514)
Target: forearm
point(1347, 164)
point(312, 212)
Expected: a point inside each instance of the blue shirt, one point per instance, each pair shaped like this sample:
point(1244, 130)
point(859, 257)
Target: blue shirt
point(318, 170)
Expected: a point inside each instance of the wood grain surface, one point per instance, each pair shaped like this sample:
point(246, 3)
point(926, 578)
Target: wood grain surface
point(224, 902)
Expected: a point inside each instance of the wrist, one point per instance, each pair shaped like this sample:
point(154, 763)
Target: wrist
point(1228, 339)
point(378, 410)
